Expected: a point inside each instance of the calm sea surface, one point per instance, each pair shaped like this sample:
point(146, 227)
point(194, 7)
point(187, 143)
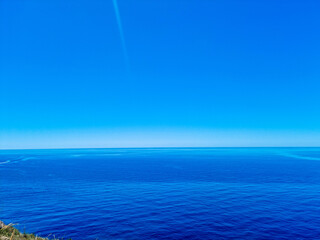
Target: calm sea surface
point(188, 193)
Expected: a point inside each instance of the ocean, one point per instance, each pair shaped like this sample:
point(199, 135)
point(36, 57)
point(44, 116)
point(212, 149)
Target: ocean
point(163, 193)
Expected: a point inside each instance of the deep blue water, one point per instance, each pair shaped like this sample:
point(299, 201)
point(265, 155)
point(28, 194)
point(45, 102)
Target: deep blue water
point(190, 193)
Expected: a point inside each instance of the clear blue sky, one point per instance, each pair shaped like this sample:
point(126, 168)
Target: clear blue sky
point(198, 73)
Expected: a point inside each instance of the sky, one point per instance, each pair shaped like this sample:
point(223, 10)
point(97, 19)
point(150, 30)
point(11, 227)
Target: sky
point(151, 73)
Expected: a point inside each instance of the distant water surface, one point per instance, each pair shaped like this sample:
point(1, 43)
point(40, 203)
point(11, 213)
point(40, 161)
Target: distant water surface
point(187, 193)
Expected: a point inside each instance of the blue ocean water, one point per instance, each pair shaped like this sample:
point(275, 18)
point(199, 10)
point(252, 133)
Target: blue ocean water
point(186, 193)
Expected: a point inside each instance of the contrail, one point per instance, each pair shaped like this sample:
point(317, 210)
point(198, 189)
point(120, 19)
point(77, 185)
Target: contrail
point(123, 43)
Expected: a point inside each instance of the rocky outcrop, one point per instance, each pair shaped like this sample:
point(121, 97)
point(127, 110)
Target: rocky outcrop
point(8, 232)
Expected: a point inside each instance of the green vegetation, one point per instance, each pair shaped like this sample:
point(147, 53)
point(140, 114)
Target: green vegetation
point(8, 232)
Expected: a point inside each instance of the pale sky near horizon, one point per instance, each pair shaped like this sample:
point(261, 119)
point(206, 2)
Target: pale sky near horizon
point(163, 73)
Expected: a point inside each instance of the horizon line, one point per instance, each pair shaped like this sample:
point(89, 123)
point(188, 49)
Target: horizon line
point(71, 148)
